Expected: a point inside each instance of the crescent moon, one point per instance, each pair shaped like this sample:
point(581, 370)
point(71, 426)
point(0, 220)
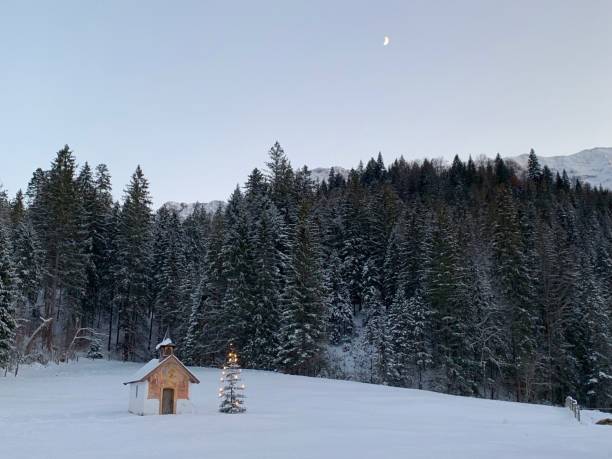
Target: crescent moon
point(386, 41)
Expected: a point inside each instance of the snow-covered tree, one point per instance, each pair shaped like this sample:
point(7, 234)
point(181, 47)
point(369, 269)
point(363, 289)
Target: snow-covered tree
point(231, 391)
point(237, 259)
point(7, 298)
point(302, 326)
point(340, 325)
point(270, 269)
point(134, 256)
point(170, 304)
point(28, 260)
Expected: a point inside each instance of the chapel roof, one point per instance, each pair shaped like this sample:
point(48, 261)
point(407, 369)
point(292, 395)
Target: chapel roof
point(153, 365)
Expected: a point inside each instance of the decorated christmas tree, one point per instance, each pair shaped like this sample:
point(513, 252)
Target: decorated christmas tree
point(231, 391)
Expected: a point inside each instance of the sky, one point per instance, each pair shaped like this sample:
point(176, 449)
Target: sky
point(196, 92)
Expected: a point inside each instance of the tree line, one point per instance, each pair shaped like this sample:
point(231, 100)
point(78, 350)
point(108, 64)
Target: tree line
point(473, 278)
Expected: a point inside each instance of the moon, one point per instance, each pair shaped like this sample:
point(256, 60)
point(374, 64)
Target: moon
point(386, 41)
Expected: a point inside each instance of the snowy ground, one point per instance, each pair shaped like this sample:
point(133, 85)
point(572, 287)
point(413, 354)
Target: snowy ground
point(80, 411)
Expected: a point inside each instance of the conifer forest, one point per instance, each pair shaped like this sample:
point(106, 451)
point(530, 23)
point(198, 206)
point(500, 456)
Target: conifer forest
point(472, 278)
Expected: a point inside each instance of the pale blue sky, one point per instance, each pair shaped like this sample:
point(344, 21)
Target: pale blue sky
point(197, 91)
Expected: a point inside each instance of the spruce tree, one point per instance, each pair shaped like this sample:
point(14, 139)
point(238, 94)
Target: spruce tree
point(534, 171)
point(302, 329)
point(211, 333)
point(596, 342)
point(271, 265)
point(18, 208)
point(340, 326)
point(169, 260)
point(86, 191)
point(193, 349)
point(451, 308)
point(28, 260)
point(238, 271)
point(99, 209)
point(111, 277)
point(282, 178)
point(409, 329)
point(7, 298)
point(420, 346)
point(58, 218)
point(516, 294)
point(134, 255)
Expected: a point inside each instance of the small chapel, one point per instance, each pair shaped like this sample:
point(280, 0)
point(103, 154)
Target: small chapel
point(162, 385)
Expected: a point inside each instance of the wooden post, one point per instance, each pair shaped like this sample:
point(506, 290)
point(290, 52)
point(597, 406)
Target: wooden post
point(573, 406)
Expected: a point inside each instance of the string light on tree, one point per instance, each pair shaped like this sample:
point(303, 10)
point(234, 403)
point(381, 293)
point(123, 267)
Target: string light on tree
point(231, 391)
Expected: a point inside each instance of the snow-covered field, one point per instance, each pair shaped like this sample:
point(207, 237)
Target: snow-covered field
point(79, 411)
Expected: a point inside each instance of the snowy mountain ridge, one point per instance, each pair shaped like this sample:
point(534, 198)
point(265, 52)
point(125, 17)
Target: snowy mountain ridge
point(319, 174)
point(185, 209)
point(593, 166)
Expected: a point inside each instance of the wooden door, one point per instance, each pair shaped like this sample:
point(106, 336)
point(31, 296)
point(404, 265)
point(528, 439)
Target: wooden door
point(168, 401)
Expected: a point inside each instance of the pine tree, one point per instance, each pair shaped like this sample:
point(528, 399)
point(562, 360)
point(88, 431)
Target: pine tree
point(447, 295)
point(487, 334)
point(516, 293)
point(238, 271)
point(340, 325)
point(86, 191)
point(354, 252)
point(282, 177)
point(111, 277)
point(420, 353)
point(7, 298)
point(169, 262)
point(372, 302)
point(134, 253)
point(534, 171)
point(18, 209)
point(409, 328)
point(271, 264)
point(5, 207)
point(196, 228)
point(99, 211)
point(28, 258)
point(37, 206)
point(395, 336)
point(58, 219)
point(193, 346)
point(302, 329)
point(596, 345)
point(209, 330)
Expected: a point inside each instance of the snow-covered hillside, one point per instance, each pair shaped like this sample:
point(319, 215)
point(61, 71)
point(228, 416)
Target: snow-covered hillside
point(319, 174)
point(185, 209)
point(79, 411)
point(593, 166)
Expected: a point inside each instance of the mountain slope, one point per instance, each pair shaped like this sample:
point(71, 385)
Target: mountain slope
point(79, 411)
point(593, 166)
point(185, 209)
point(319, 174)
